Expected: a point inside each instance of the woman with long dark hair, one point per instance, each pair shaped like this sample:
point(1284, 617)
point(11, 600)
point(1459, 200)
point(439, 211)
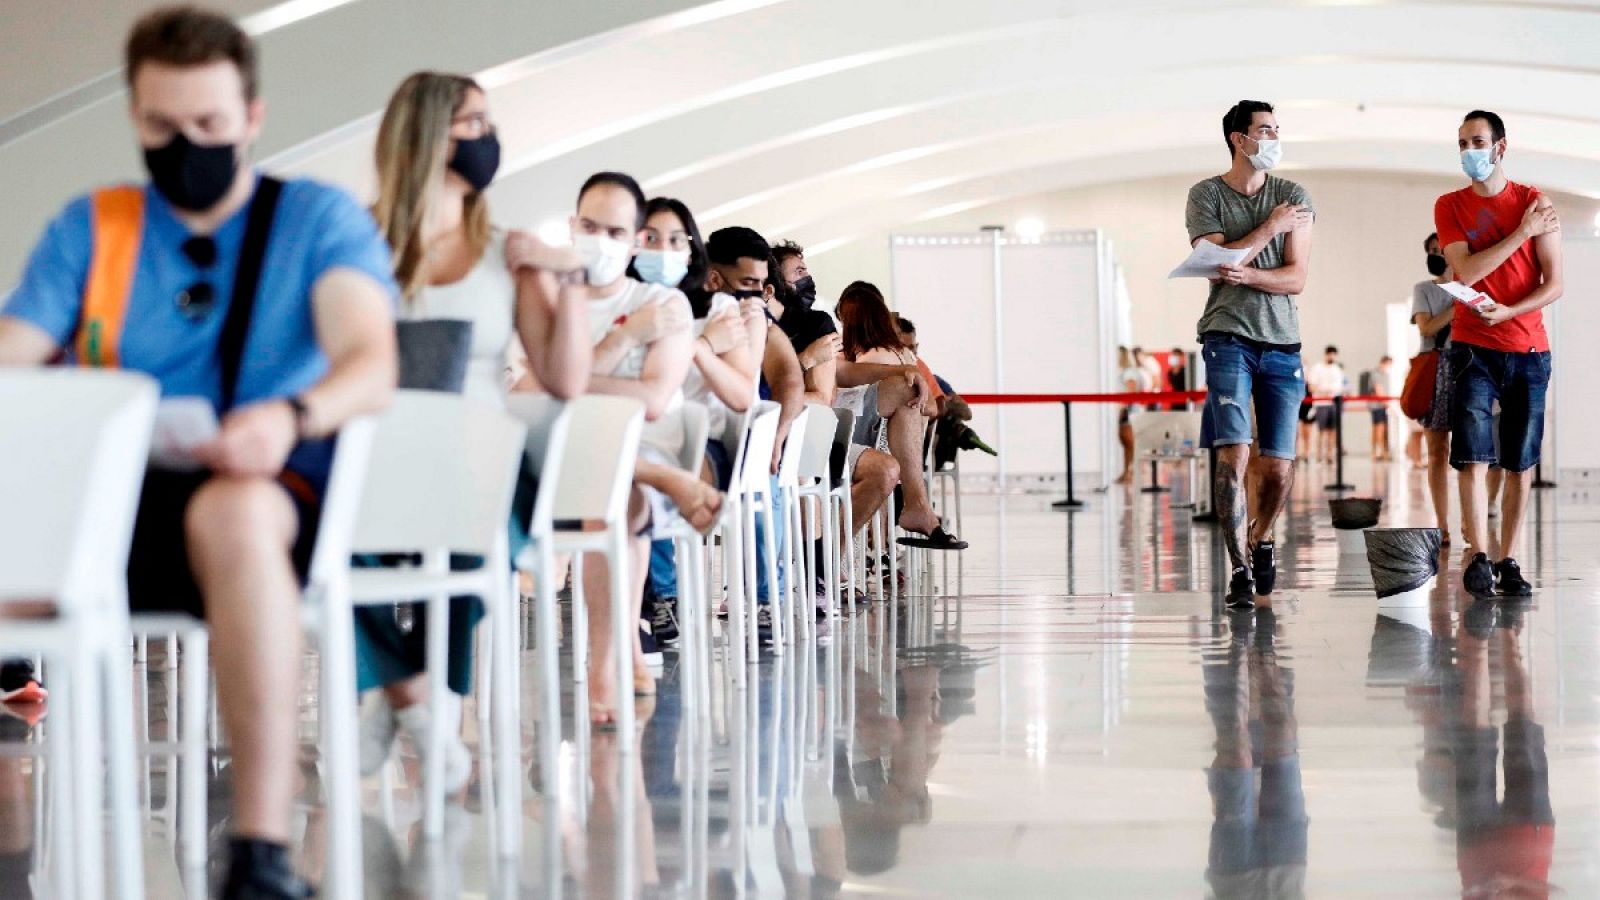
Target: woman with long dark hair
point(880, 381)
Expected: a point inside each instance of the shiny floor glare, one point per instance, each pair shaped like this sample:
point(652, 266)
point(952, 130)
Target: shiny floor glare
point(1064, 710)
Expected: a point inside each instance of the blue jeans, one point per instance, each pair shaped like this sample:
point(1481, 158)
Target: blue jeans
point(1241, 376)
point(664, 563)
point(1519, 382)
point(663, 569)
point(762, 593)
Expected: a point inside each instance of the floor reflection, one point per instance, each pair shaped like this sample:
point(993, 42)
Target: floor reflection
point(1024, 723)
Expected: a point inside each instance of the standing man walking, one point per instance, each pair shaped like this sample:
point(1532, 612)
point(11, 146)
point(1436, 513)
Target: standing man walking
point(1250, 332)
point(1504, 239)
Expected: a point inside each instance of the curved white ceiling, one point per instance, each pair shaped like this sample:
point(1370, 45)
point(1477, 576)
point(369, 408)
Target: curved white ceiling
point(827, 119)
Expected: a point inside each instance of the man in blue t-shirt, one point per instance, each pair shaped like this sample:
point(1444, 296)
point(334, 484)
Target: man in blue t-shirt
point(231, 541)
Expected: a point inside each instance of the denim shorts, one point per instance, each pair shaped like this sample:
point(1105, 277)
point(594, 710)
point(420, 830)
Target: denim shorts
point(1518, 381)
point(1244, 381)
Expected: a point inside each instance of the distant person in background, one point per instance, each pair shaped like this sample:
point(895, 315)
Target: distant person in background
point(1177, 374)
point(1128, 382)
point(1327, 380)
point(1380, 411)
point(1308, 421)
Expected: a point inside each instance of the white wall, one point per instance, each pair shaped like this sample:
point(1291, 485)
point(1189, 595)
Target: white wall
point(1367, 251)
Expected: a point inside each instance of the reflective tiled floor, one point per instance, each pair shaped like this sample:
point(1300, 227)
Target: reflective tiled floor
point(1068, 712)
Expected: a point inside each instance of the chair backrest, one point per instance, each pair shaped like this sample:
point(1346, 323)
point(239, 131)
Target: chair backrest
point(818, 439)
point(696, 429)
point(842, 433)
point(753, 472)
point(440, 476)
point(341, 501)
point(549, 424)
point(593, 485)
point(793, 448)
point(72, 462)
point(1166, 433)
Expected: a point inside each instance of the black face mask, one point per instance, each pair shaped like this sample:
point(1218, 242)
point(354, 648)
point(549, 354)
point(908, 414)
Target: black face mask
point(477, 160)
point(1437, 264)
point(747, 295)
point(805, 290)
point(192, 178)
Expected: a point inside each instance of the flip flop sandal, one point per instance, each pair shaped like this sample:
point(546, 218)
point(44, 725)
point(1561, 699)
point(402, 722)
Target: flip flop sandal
point(938, 539)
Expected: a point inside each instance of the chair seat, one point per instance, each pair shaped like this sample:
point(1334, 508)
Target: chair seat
point(369, 587)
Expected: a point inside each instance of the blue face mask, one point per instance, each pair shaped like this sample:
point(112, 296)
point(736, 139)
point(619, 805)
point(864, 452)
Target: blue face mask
point(663, 267)
point(1478, 164)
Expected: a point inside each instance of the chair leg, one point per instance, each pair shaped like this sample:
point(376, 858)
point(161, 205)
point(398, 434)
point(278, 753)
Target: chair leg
point(747, 565)
point(505, 728)
point(88, 789)
point(128, 858)
point(438, 648)
point(549, 625)
point(774, 593)
point(193, 670)
point(61, 785)
point(337, 722)
point(624, 622)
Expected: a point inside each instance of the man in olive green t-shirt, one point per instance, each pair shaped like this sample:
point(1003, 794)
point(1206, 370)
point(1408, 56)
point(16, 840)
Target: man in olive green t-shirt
point(1251, 337)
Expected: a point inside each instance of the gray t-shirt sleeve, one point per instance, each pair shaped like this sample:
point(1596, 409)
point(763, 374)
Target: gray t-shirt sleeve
point(1299, 196)
point(1203, 213)
point(1419, 300)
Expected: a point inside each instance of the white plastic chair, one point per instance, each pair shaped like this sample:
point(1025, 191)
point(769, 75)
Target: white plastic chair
point(690, 552)
point(71, 468)
point(752, 484)
point(608, 429)
point(816, 482)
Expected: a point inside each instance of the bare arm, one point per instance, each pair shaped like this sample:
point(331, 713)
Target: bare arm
point(730, 375)
point(1470, 268)
point(24, 344)
point(552, 325)
point(1288, 279)
point(781, 367)
point(855, 374)
point(1548, 248)
point(1285, 218)
point(1432, 325)
point(820, 362)
point(355, 329)
point(665, 365)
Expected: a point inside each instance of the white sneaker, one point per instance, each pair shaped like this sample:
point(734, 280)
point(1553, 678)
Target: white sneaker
point(457, 760)
point(378, 727)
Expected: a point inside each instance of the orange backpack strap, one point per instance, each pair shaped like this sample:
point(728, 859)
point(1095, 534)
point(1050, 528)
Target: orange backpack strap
point(117, 223)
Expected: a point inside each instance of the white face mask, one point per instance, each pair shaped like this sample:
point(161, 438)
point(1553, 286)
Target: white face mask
point(605, 259)
point(1268, 154)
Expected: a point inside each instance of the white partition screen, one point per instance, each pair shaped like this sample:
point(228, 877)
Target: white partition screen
point(996, 314)
point(1572, 431)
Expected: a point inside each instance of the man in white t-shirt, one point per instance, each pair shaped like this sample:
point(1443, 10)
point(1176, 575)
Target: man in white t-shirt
point(643, 349)
point(1326, 380)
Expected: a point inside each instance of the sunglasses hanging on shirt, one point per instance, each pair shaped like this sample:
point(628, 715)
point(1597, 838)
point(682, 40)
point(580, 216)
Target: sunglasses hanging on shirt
point(197, 300)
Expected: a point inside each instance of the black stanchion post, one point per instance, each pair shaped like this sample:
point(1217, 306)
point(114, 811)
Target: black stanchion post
point(1338, 448)
point(1539, 480)
point(1072, 502)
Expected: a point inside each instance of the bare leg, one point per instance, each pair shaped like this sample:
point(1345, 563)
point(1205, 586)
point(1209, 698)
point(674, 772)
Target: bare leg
point(597, 600)
point(1227, 498)
point(240, 531)
point(876, 474)
point(1414, 447)
point(907, 428)
point(1252, 487)
point(1474, 509)
point(1272, 479)
point(1125, 437)
point(1513, 503)
point(1439, 478)
point(1494, 479)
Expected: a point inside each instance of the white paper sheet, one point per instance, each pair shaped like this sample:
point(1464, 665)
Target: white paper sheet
point(1205, 258)
point(182, 423)
point(1467, 295)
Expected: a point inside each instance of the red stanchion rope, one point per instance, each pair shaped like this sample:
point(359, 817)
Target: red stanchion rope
point(1126, 397)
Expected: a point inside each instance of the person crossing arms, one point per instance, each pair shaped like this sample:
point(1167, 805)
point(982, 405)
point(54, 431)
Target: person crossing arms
point(1250, 332)
point(1504, 239)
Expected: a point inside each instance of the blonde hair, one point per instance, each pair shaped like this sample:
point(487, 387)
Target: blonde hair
point(412, 148)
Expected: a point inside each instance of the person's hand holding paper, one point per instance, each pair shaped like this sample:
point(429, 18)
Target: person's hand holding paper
point(1206, 260)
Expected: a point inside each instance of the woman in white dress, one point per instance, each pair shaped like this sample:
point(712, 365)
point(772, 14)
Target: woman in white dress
point(437, 152)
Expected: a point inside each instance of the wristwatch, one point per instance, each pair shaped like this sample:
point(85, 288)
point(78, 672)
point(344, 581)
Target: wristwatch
point(302, 415)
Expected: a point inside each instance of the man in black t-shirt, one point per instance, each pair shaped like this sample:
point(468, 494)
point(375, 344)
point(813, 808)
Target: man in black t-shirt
point(791, 296)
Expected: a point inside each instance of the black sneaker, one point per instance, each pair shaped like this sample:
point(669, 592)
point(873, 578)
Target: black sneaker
point(19, 684)
point(1241, 589)
point(764, 623)
point(1508, 578)
point(1478, 579)
point(260, 870)
point(1264, 562)
point(664, 620)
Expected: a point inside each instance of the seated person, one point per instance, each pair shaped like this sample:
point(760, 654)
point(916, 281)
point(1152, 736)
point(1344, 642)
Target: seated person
point(648, 362)
point(723, 376)
point(452, 264)
point(882, 383)
point(230, 541)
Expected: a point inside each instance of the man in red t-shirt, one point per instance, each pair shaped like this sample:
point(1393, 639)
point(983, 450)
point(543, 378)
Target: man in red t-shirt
point(1504, 240)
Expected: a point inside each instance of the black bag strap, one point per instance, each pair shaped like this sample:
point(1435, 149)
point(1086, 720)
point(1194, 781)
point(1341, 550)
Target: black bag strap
point(246, 279)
